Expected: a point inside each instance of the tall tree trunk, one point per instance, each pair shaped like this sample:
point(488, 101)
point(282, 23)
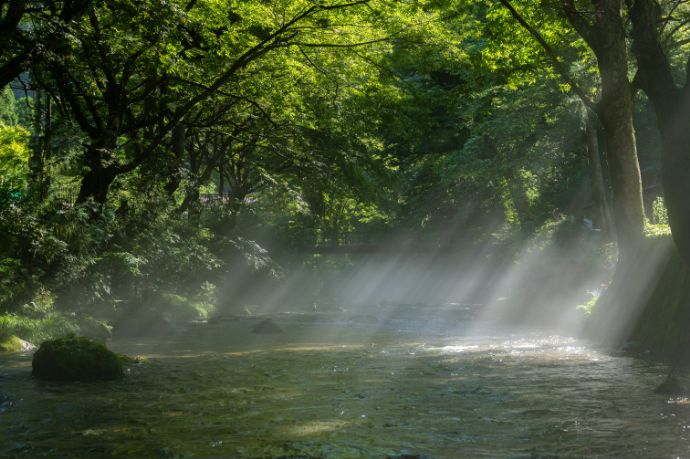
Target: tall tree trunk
point(606, 36)
point(674, 124)
point(179, 140)
point(518, 194)
point(672, 106)
point(621, 154)
point(616, 111)
point(36, 159)
point(603, 213)
point(40, 146)
point(221, 183)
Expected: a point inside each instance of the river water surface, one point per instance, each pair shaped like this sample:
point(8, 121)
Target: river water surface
point(349, 387)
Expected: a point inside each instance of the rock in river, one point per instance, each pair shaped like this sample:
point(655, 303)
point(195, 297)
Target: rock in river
point(75, 358)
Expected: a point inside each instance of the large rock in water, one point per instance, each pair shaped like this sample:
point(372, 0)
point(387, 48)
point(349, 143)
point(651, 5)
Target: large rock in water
point(75, 358)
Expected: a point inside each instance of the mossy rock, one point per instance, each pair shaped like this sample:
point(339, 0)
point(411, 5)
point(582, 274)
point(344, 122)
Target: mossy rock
point(10, 343)
point(75, 358)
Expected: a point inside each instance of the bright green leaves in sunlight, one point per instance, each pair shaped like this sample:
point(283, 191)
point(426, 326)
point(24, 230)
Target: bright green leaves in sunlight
point(14, 161)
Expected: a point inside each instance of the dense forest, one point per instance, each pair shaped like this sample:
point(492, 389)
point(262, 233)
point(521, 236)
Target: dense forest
point(174, 162)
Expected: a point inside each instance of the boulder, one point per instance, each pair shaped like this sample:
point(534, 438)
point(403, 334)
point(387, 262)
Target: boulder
point(12, 343)
point(75, 358)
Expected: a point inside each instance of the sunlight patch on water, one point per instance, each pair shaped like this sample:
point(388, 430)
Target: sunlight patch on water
point(315, 427)
point(540, 348)
point(458, 349)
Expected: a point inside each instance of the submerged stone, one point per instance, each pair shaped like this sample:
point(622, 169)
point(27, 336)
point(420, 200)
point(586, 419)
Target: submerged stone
point(266, 326)
point(75, 358)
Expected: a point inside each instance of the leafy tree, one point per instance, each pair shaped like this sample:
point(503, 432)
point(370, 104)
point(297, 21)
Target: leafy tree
point(128, 80)
point(606, 37)
point(30, 30)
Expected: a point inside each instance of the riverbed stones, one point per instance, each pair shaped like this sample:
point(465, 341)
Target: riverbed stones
point(75, 358)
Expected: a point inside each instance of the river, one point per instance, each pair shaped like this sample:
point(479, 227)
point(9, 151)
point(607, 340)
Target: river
point(349, 387)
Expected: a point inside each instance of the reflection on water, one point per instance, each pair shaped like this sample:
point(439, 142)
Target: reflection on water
point(340, 389)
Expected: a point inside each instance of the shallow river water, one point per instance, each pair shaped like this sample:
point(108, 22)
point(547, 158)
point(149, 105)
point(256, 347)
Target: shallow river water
point(348, 388)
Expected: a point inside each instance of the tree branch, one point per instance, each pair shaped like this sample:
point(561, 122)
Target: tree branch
point(553, 56)
point(583, 28)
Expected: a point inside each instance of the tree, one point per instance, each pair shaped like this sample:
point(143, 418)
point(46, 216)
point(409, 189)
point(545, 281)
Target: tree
point(128, 81)
point(606, 36)
point(30, 29)
point(655, 76)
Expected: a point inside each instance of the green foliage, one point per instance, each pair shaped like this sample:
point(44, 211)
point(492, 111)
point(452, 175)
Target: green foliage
point(14, 160)
point(230, 138)
point(10, 343)
point(588, 307)
point(658, 227)
point(37, 330)
point(8, 109)
point(178, 309)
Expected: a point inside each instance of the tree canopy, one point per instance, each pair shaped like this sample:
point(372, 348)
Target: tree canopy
point(153, 148)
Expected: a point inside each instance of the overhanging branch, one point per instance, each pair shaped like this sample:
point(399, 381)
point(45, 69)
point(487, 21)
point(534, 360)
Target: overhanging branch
point(553, 56)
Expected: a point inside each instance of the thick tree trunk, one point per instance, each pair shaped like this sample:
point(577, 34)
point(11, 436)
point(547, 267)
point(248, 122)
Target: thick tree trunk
point(626, 181)
point(674, 125)
point(97, 180)
point(616, 111)
point(605, 34)
point(672, 106)
point(603, 28)
point(95, 184)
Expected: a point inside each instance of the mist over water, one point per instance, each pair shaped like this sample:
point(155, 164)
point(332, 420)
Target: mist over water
point(535, 285)
point(375, 354)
